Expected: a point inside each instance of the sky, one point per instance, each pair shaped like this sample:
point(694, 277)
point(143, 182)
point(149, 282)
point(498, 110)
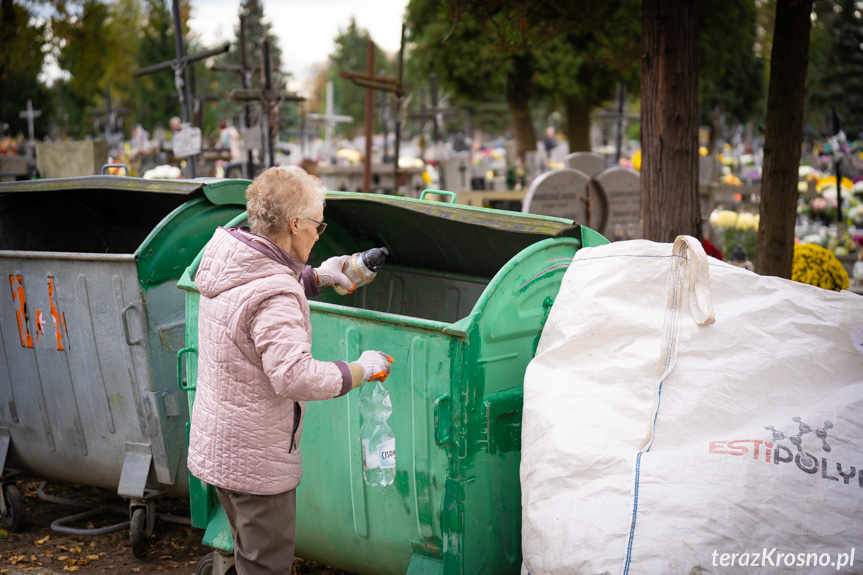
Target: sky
point(306, 28)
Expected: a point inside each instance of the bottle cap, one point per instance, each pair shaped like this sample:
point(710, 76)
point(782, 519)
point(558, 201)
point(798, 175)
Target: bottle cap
point(375, 258)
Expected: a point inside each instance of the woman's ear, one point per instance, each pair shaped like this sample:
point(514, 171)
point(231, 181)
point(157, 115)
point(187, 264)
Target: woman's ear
point(294, 226)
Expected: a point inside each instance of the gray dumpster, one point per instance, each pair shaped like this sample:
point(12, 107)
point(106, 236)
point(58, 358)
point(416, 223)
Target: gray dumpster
point(90, 325)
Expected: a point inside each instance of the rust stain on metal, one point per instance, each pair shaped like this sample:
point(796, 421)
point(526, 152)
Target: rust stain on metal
point(20, 298)
point(59, 324)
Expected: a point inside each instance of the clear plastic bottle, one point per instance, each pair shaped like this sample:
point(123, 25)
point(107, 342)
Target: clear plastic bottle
point(362, 267)
point(378, 440)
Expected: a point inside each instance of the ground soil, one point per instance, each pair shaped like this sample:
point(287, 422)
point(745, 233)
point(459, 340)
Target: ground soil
point(173, 549)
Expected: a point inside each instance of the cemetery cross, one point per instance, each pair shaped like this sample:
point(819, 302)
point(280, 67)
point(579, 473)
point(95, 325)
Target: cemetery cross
point(246, 71)
point(436, 113)
point(270, 99)
point(178, 65)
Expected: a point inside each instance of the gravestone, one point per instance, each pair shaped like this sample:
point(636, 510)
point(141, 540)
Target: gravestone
point(458, 172)
point(71, 159)
point(587, 162)
point(622, 189)
point(535, 163)
point(566, 194)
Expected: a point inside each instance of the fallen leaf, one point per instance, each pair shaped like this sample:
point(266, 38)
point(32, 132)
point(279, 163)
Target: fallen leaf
point(43, 540)
point(92, 557)
point(70, 568)
point(61, 548)
point(62, 557)
point(33, 559)
point(4, 571)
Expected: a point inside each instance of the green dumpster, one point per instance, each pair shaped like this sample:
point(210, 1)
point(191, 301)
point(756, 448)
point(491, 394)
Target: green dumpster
point(460, 305)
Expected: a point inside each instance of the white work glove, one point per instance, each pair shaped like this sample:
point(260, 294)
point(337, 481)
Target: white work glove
point(375, 364)
point(330, 273)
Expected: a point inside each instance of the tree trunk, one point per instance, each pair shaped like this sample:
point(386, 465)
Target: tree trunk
point(783, 134)
point(578, 124)
point(669, 120)
point(517, 99)
point(8, 24)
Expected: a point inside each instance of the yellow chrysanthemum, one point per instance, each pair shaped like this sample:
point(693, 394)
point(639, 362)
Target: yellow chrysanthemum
point(746, 221)
point(636, 161)
point(818, 266)
point(830, 182)
point(723, 218)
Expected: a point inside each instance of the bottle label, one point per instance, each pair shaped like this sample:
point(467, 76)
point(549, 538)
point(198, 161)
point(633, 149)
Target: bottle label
point(386, 454)
point(370, 457)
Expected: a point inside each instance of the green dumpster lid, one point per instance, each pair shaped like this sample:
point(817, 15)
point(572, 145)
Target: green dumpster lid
point(218, 191)
point(440, 236)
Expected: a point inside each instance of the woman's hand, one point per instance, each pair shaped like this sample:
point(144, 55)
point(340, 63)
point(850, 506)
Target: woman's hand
point(330, 273)
point(375, 364)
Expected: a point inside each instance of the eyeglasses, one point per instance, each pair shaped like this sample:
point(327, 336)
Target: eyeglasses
point(321, 225)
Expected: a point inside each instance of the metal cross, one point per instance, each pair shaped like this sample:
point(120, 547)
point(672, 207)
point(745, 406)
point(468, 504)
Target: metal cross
point(436, 113)
point(620, 119)
point(246, 71)
point(387, 84)
point(111, 115)
point(270, 99)
point(178, 65)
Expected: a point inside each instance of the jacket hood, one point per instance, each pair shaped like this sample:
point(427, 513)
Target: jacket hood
point(231, 260)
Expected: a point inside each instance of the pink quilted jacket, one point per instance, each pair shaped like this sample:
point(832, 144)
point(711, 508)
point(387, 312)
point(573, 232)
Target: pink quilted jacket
point(255, 367)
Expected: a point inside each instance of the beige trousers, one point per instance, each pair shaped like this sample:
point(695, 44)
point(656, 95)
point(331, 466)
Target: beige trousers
point(263, 530)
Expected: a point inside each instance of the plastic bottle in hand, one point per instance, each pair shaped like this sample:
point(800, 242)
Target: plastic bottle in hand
point(378, 440)
point(363, 267)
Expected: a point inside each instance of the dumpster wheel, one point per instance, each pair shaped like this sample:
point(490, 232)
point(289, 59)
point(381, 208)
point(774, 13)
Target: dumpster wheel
point(138, 531)
point(13, 515)
point(206, 565)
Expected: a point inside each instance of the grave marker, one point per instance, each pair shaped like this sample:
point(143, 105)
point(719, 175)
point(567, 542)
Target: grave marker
point(587, 162)
point(622, 189)
point(567, 194)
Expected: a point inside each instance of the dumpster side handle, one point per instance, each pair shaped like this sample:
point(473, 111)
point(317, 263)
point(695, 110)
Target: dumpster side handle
point(180, 355)
point(125, 316)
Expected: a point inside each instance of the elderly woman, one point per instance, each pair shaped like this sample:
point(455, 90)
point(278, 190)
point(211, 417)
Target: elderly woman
point(256, 370)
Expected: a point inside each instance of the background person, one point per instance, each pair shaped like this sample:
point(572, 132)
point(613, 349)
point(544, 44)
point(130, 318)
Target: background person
point(256, 370)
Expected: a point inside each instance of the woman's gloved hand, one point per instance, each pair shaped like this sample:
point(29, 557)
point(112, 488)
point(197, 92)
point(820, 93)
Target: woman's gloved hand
point(330, 273)
point(375, 364)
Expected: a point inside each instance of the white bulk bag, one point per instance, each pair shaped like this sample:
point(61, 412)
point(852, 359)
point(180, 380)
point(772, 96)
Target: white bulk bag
point(683, 415)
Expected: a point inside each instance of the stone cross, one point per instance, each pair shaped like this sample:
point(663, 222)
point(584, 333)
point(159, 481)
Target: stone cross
point(30, 114)
point(330, 119)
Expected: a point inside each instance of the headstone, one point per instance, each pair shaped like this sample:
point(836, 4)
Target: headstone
point(587, 162)
point(559, 153)
point(622, 189)
point(707, 169)
point(71, 159)
point(458, 172)
point(566, 194)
